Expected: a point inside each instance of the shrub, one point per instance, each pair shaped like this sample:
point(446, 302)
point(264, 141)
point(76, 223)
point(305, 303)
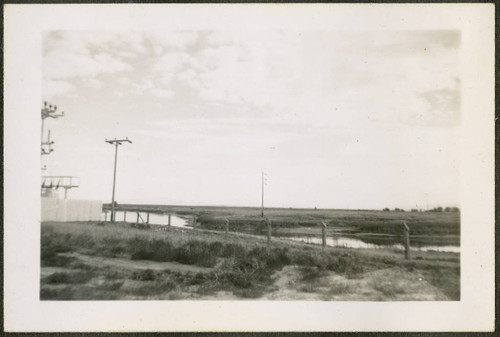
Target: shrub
point(194, 252)
point(272, 258)
point(144, 275)
point(113, 285)
point(154, 250)
point(58, 278)
point(346, 264)
point(50, 258)
point(311, 273)
point(67, 278)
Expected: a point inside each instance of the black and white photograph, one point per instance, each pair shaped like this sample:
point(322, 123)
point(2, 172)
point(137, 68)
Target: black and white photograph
point(256, 154)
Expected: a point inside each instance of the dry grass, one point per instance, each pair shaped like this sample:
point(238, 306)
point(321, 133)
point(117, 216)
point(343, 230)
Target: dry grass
point(241, 265)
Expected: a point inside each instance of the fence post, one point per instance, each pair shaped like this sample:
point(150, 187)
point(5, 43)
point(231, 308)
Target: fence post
point(124, 216)
point(169, 225)
point(407, 240)
point(227, 227)
point(268, 230)
point(147, 218)
point(323, 234)
point(137, 217)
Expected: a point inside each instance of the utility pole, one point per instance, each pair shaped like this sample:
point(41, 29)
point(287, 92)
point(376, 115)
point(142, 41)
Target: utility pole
point(115, 142)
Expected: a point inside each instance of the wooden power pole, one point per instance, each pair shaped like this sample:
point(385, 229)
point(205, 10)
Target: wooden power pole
point(115, 142)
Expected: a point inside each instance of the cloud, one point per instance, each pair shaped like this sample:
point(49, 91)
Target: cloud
point(93, 83)
point(162, 93)
point(147, 87)
point(231, 68)
point(171, 64)
point(82, 57)
point(124, 80)
point(373, 76)
point(65, 64)
point(171, 39)
point(443, 108)
point(315, 77)
point(53, 88)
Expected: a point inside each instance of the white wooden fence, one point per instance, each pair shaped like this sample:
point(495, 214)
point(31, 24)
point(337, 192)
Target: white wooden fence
point(54, 209)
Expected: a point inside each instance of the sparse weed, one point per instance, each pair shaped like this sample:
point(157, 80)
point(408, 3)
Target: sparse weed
point(339, 288)
point(311, 273)
point(68, 278)
point(245, 267)
point(144, 275)
point(389, 288)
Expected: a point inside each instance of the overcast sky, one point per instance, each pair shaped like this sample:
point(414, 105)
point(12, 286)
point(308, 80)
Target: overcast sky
point(351, 119)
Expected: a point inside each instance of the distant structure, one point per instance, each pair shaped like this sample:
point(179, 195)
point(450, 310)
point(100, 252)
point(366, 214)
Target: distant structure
point(50, 184)
point(52, 207)
point(48, 111)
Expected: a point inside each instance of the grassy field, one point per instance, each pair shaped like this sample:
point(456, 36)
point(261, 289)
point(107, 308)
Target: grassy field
point(102, 261)
point(426, 227)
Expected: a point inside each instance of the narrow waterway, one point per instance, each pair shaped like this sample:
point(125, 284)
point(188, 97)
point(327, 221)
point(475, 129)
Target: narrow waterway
point(348, 242)
point(154, 219)
point(338, 240)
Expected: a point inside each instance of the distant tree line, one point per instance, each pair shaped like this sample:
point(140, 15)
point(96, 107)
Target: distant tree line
point(446, 209)
point(435, 209)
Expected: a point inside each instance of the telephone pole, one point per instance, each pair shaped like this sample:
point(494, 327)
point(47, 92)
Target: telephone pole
point(115, 142)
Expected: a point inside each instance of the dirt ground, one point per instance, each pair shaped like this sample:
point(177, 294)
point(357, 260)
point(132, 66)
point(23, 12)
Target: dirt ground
point(289, 283)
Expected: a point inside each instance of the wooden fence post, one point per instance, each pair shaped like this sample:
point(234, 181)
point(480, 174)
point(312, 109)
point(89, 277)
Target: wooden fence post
point(137, 217)
point(268, 230)
point(169, 225)
point(323, 234)
point(407, 240)
point(147, 218)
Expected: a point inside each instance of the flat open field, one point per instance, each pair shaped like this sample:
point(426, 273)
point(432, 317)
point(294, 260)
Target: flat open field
point(101, 261)
point(427, 228)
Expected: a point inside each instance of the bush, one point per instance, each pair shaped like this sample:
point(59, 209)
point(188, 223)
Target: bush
point(194, 252)
point(154, 250)
point(272, 258)
point(311, 273)
point(67, 278)
point(49, 257)
point(144, 275)
point(58, 278)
